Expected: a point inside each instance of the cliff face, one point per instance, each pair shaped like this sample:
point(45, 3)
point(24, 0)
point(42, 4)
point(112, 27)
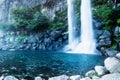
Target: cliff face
point(47, 6)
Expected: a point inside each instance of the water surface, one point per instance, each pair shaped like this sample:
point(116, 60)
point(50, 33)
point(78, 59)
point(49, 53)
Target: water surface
point(47, 63)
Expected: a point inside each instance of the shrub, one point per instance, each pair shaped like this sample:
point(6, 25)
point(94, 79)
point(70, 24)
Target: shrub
point(29, 19)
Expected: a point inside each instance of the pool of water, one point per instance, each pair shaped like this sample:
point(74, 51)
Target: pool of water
point(47, 63)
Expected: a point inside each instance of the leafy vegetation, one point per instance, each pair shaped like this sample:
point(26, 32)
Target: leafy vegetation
point(28, 19)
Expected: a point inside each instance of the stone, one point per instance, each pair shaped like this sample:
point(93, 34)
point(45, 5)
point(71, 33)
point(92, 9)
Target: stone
point(97, 25)
point(90, 73)
point(117, 31)
point(114, 76)
point(100, 70)
point(98, 33)
point(95, 78)
point(75, 77)
point(112, 64)
point(2, 77)
point(86, 78)
point(10, 78)
point(32, 40)
point(118, 55)
point(118, 46)
point(38, 78)
point(62, 77)
point(110, 52)
point(106, 34)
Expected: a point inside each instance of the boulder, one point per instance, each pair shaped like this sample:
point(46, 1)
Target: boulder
point(90, 73)
point(98, 33)
point(112, 64)
point(10, 78)
point(104, 39)
point(97, 24)
point(32, 40)
point(118, 55)
point(114, 76)
point(110, 52)
point(2, 77)
point(117, 31)
point(38, 78)
point(100, 70)
point(118, 46)
point(95, 78)
point(86, 78)
point(62, 77)
point(75, 77)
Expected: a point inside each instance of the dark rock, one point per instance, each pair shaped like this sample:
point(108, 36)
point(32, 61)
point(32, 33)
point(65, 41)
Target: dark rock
point(22, 46)
point(25, 41)
point(39, 36)
point(111, 52)
point(104, 40)
point(118, 46)
point(97, 25)
point(28, 46)
point(55, 34)
point(117, 31)
point(98, 33)
point(32, 40)
point(65, 36)
point(106, 34)
point(42, 47)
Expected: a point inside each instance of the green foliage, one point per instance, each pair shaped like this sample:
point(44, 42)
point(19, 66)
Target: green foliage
point(56, 25)
point(114, 46)
point(103, 13)
point(29, 19)
point(118, 21)
point(117, 39)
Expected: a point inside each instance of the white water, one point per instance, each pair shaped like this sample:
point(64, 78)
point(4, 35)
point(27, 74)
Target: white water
point(87, 42)
point(72, 25)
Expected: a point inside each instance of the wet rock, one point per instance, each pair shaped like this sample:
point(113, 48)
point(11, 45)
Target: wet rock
point(118, 46)
point(104, 40)
point(114, 76)
point(97, 24)
point(32, 40)
point(98, 33)
point(110, 52)
point(75, 77)
point(117, 31)
point(62, 77)
point(112, 64)
point(10, 78)
point(100, 70)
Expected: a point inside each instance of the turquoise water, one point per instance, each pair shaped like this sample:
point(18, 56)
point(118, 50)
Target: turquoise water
point(47, 63)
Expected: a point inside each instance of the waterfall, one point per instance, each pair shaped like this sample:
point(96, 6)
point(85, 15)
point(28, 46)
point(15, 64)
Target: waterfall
point(87, 42)
point(72, 25)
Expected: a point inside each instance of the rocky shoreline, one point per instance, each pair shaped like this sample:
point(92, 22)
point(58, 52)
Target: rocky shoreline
point(49, 40)
point(110, 71)
point(55, 40)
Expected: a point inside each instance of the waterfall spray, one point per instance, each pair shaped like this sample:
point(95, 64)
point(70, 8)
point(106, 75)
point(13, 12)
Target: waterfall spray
point(87, 42)
point(73, 41)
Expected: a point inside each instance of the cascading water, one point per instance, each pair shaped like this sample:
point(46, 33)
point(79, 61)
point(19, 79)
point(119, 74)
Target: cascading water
point(73, 41)
point(87, 42)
